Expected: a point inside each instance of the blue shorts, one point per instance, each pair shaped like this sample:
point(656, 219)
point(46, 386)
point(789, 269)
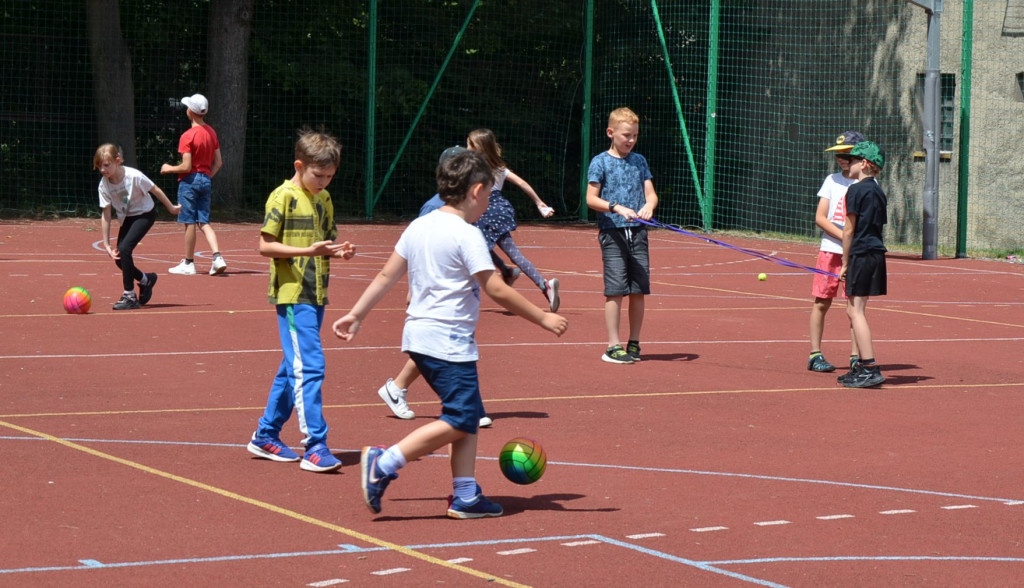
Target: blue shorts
point(627, 264)
point(457, 384)
point(194, 192)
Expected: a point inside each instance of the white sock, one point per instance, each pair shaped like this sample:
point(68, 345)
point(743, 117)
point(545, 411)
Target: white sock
point(391, 461)
point(464, 488)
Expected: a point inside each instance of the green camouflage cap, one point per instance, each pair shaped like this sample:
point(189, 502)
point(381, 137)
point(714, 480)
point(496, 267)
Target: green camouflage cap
point(870, 151)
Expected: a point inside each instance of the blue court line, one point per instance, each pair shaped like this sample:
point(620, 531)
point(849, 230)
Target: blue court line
point(866, 558)
point(91, 564)
point(593, 465)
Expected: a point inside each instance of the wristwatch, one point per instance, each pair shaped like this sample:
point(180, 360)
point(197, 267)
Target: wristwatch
point(611, 207)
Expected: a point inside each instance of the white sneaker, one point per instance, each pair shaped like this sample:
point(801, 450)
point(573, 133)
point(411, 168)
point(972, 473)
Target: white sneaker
point(485, 421)
point(218, 267)
point(394, 397)
point(183, 269)
point(553, 301)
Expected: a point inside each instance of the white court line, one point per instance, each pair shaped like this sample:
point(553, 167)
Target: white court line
point(771, 523)
point(578, 543)
point(517, 551)
point(709, 529)
point(835, 517)
point(958, 506)
point(460, 560)
point(323, 583)
point(644, 535)
point(391, 571)
point(898, 511)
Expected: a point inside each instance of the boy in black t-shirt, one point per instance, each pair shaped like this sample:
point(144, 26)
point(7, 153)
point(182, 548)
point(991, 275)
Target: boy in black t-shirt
point(864, 257)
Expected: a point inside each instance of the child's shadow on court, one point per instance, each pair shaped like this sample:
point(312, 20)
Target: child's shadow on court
point(669, 357)
point(522, 414)
point(907, 379)
point(511, 505)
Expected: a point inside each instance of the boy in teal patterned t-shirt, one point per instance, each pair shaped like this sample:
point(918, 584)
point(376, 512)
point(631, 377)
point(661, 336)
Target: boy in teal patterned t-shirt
point(298, 234)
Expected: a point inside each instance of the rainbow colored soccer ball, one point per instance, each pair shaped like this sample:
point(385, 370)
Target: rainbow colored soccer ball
point(77, 300)
point(522, 460)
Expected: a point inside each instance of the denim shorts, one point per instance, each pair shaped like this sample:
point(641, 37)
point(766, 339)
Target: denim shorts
point(457, 384)
point(194, 192)
point(627, 264)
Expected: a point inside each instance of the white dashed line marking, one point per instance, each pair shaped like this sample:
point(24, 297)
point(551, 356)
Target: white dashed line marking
point(645, 535)
point(709, 529)
point(959, 506)
point(834, 517)
point(898, 511)
point(327, 583)
point(578, 543)
point(1014, 502)
point(459, 560)
point(517, 551)
point(771, 523)
point(389, 572)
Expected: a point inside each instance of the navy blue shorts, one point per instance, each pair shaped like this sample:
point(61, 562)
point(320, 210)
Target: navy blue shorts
point(458, 386)
point(627, 264)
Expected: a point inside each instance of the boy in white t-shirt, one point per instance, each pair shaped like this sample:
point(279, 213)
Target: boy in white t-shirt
point(830, 218)
point(448, 263)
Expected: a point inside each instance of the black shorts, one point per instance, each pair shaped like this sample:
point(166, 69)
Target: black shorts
point(627, 266)
point(866, 275)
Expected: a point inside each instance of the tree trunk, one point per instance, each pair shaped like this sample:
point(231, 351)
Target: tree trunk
point(228, 83)
point(112, 90)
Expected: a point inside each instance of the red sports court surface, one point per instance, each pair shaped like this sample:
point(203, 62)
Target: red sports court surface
point(717, 461)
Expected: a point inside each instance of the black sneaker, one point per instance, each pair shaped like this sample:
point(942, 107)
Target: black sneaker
point(633, 350)
point(146, 292)
point(855, 366)
point(854, 360)
point(127, 302)
point(818, 363)
point(865, 377)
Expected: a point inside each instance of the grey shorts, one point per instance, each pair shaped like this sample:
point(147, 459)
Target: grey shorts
point(627, 264)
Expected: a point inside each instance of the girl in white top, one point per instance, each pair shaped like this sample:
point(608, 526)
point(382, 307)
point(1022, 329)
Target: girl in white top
point(498, 222)
point(126, 191)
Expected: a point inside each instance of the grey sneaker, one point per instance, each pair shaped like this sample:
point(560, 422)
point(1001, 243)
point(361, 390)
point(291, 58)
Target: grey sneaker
point(865, 377)
point(552, 293)
point(127, 302)
point(633, 350)
point(616, 354)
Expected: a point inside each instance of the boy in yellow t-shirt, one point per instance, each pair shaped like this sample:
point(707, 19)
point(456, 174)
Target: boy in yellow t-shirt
point(298, 234)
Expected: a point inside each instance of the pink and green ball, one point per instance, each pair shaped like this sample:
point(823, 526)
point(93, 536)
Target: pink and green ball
point(77, 300)
point(522, 461)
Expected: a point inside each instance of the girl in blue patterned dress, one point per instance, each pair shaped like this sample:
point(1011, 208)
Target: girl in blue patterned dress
point(498, 222)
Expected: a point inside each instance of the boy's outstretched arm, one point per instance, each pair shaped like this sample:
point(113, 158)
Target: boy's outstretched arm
point(492, 283)
point(347, 326)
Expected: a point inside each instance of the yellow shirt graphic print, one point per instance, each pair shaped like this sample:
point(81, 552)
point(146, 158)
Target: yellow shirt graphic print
point(297, 218)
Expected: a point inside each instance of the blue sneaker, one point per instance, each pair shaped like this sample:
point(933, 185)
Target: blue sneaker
point(318, 458)
point(374, 480)
point(477, 508)
point(271, 448)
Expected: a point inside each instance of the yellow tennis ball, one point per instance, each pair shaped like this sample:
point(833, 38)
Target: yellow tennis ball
point(762, 277)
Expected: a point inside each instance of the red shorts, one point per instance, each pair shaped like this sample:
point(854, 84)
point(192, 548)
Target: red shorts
point(827, 286)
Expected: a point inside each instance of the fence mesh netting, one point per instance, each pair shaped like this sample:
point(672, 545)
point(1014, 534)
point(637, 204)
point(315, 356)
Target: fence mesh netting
point(737, 101)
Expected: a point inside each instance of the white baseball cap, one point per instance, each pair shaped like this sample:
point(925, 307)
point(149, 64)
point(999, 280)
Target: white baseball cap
point(196, 103)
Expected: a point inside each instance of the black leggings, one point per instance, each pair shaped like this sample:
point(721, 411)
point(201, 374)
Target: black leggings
point(133, 229)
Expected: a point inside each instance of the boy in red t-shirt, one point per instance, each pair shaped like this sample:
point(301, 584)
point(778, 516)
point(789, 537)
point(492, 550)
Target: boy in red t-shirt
point(200, 161)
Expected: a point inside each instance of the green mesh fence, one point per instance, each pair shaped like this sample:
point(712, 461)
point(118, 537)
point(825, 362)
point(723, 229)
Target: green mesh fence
point(737, 101)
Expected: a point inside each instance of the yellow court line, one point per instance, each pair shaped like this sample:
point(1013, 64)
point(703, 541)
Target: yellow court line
point(900, 387)
point(270, 507)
